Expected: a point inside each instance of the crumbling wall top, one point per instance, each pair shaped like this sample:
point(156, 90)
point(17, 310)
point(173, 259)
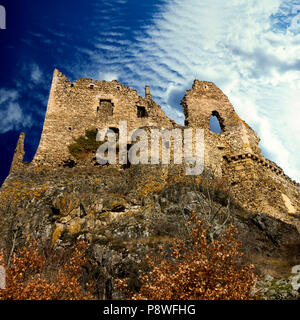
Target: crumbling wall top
point(17, 162)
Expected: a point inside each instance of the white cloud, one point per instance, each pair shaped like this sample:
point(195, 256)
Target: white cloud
point(246, 47)
point(108, 76)
point(11, 114)
point(8, 95)
point(36, 73)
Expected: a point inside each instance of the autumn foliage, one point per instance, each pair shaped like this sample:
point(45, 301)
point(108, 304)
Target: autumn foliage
point(40, 275)
point(198, 270)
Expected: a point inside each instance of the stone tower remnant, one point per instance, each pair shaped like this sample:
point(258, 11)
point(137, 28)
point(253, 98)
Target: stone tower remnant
point(255, 182)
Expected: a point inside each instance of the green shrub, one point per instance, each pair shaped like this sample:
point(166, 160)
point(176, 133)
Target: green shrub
point(84, 145)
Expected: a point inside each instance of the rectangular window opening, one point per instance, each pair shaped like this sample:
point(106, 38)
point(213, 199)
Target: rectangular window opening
point(141, 112)
point(106, 107)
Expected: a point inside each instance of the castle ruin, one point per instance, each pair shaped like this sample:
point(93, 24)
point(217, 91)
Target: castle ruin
point(234, 153)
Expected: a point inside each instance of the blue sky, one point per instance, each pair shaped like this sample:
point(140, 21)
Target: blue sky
point(249, 48)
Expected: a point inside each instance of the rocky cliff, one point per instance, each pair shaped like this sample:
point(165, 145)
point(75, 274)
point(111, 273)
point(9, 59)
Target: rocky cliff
point(122, 212)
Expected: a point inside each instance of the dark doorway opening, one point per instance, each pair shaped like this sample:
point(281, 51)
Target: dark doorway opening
point(141, 112)
point(128, 164)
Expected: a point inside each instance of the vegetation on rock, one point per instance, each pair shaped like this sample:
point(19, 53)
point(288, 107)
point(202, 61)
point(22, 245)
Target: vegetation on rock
point(84, 145)
point(35, 274)
point(125, 214)
point(196, 270)
point(271, 288)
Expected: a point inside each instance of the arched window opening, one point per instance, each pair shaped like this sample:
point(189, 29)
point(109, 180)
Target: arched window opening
point(216, 122)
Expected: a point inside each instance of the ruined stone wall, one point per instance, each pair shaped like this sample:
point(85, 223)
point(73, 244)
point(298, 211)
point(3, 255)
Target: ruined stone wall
point(261, 185)
point(17, 162)
point(85, 104)
point(205, 100)
point(255, 182)
point(234, 154)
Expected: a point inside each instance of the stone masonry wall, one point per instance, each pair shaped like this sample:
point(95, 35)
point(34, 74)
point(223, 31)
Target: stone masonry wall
point(17, 162)
point(84, 104)
point(260, 185)
point(234, 154)
point(256, 183)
